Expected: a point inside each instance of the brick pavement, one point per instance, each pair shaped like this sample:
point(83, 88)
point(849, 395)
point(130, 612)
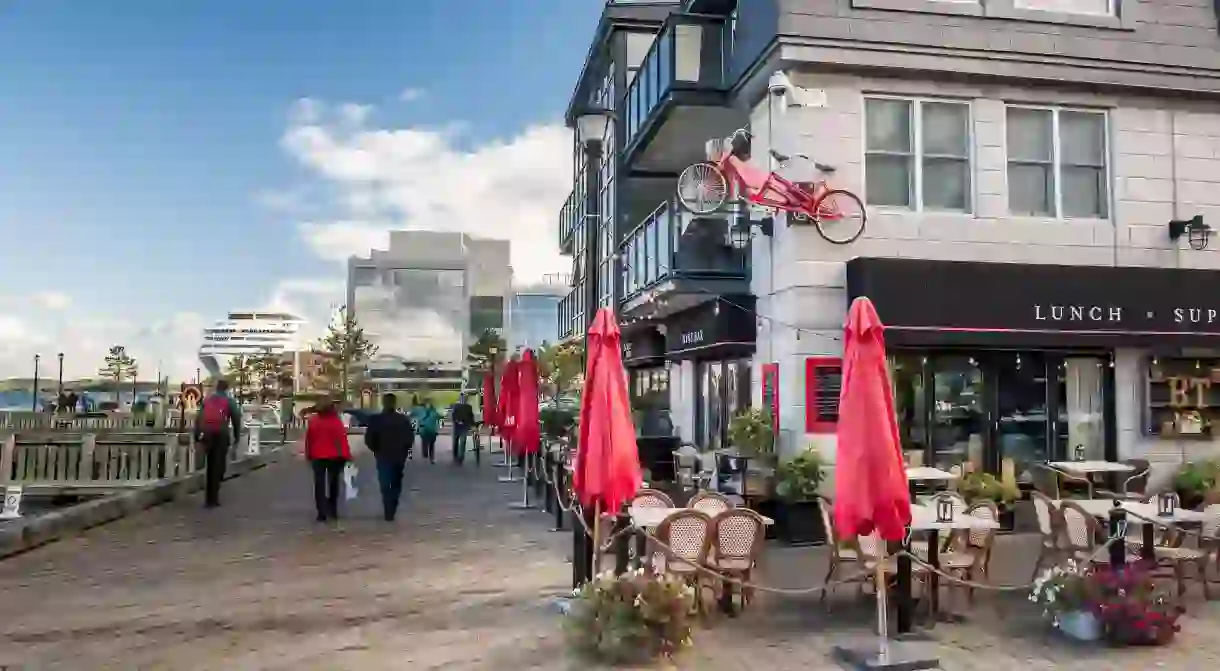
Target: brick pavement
point(459, 582)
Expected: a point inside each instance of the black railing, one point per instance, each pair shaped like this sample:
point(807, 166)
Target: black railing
point(659, 249)
point(689, 53)
point(572, 214)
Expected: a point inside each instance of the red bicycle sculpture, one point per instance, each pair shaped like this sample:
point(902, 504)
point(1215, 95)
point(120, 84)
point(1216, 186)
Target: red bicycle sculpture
point(704, 188)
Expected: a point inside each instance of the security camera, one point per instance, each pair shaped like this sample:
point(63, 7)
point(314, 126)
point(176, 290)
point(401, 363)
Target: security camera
point(779, 84)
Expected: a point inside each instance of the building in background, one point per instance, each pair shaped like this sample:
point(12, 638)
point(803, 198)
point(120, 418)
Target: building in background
point(533, 315)
point(250, 333)
point(424, 300)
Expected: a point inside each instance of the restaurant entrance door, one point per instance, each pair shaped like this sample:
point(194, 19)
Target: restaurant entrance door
point(1002, 411)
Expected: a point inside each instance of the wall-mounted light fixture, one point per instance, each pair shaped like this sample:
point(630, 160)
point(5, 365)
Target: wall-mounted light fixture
point(738, 234)
point(1197, 233)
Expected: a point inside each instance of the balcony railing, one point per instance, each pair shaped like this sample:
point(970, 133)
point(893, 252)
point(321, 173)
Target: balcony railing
point(689, 53)
point(571, 312)
point(659, 249)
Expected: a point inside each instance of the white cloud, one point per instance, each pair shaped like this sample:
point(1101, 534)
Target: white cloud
point(411, 94)
point(53, 300)
point(428, 178)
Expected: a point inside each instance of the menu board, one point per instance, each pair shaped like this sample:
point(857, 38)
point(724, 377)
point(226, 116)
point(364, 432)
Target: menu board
point(823, 381)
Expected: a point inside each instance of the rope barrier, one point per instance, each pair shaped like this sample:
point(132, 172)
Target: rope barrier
point(1169, 526)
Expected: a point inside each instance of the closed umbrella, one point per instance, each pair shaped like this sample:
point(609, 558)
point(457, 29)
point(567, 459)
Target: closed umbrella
point(607, 470)
point(507, 413)
point(871, 492)
point(527, 436)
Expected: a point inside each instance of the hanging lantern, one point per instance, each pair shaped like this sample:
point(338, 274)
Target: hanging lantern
point(944, 510)
point(1166, 504)
point(1080, 453)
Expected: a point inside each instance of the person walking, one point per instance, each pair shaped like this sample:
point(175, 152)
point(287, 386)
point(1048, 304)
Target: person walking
point(428, 424)
point(327, 450)
point(389, 436)
point(462, 415)
point(218, 414)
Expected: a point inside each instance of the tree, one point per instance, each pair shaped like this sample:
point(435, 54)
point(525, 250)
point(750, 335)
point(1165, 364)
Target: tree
point(482, 355)
point(119, 366)
point(239, 373)
point(561, 366)
point(269, 371)
point(345, 346)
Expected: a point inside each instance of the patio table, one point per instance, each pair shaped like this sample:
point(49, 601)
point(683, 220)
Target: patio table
point(1100, 508)
point(923, 520)
point(1087, 468)
point(916, 474)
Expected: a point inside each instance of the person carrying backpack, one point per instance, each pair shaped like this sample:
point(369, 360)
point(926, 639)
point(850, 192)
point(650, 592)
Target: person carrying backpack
point(389, 436)
point(428, 424)
point(217, 415)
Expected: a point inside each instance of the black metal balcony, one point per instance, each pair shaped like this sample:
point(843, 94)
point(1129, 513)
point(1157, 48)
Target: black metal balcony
point(571, 216)
point(672, 252)
point(678, 98)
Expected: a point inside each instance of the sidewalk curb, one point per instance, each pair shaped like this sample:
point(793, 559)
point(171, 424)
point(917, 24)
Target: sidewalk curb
point(27, 534)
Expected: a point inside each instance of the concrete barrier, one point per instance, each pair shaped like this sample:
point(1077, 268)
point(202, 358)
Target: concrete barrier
point(28, 533)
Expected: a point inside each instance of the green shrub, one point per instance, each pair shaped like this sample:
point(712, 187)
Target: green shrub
point(799, 478)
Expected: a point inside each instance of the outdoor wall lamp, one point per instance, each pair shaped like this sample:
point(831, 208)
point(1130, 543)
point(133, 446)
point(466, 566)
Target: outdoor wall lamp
point(944, 509)
point(592, 125)
point(738, 234)
point(1197, 233)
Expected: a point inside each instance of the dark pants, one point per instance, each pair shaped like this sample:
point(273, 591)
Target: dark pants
point(429, 442)
point(326, 473)
point(389, 477)
point(216, 459)
point(460, 431)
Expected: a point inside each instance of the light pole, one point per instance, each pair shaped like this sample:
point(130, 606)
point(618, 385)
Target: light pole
point(34, 400)
point(59, 391)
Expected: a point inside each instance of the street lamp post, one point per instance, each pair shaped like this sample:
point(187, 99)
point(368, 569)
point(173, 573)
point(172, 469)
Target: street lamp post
point(59, 387)
point(34, 400)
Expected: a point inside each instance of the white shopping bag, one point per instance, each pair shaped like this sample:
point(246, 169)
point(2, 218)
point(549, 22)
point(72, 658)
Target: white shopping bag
point(349, 481)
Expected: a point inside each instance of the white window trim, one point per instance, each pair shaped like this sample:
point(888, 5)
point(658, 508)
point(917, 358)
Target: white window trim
point(1057, 164)
point(1111, 9)
point(916, 186)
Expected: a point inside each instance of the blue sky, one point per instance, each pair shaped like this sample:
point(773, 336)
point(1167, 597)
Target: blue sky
point(144, 171)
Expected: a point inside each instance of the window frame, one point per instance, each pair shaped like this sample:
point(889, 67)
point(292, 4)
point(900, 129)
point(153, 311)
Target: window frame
point(1057, 164)
point(1111, 5)
point(917, 153)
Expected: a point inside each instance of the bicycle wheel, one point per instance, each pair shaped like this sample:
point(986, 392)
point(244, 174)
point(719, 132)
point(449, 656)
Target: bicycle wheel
point(840, 217)
point(702, 188)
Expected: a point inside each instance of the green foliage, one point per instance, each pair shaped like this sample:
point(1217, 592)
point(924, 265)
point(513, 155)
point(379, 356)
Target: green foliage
point(751, 432)
point(345, 346)
point(799, 478)
point(1196, 478)
point(484, 352)
point(557, 421)
point(979, 486)
point(561, 367)
point(631, 619)
point(119, 367)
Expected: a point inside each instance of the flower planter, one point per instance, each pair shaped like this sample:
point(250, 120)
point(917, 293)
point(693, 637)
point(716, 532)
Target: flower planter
point(1080, 625)
point(800, 522)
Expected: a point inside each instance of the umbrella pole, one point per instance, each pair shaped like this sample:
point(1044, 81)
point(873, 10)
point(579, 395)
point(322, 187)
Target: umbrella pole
point(883, 649)
point(597, 554)
point(508, 461)
point(525, 493)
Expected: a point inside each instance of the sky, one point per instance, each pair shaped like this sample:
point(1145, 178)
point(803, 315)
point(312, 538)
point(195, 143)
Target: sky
point(162, 163)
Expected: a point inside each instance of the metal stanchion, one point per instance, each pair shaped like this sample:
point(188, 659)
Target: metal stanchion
point(548, 493)
point(560, 486)
point(524, 504)
point(539, 476)
point(508, 461)
point(1118, 532)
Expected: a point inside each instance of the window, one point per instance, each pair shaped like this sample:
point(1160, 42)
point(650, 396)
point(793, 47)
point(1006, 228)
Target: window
point(1093, 7)
point(1057, 163)
point(917, 154)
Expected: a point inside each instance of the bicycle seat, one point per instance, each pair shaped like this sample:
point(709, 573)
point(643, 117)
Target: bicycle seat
point(822, 167)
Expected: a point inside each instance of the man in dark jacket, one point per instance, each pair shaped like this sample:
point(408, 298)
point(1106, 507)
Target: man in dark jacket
point(217, 414)
point(462, 416)
point(389, 436)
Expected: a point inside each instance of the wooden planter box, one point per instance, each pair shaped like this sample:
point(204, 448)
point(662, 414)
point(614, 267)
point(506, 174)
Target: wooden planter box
point(800, 522)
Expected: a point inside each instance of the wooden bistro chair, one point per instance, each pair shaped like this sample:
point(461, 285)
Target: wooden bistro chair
point(1081, 534)
point(969, 556)
point(647, 498)
point(1050, 528)
point(1181, 555)
point(859, 555)
point(737, 542)
point(688, 535)
point(1132, 487)
point(712, 503)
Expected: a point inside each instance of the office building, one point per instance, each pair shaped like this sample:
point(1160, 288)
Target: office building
point(1040, 179)
point(533, 314)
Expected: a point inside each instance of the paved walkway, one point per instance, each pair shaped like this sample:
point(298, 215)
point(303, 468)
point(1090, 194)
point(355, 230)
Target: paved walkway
point(459, 582)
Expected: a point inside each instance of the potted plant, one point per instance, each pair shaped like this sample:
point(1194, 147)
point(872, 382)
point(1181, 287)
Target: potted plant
point(1060, 592)
point(1194, 480)
point(979, 486)
point(630, 619)
point(752, 436)
point(798, 513)
point(1123, 606)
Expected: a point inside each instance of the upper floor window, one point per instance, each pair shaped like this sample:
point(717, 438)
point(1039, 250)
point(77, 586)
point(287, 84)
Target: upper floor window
point(917, 153)
point(1057, 163)
point(1093, 7)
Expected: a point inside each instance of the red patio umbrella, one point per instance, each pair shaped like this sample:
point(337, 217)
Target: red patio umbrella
point(871, 491)
point(507, 409)
point(607, 469)
point(527, 436)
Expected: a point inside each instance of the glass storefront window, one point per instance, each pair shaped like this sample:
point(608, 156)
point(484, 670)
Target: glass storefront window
point(1022, 417)
point(723, 390)
point(958, 416)
point(906, 373)
point(1080, 425)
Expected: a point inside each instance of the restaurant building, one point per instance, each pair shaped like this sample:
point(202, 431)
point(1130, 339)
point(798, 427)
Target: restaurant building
point(1023, 163)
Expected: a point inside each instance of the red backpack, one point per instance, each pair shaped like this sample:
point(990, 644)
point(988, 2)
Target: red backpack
point(216, 414)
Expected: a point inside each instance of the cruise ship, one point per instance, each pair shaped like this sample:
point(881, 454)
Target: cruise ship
point(249, 334)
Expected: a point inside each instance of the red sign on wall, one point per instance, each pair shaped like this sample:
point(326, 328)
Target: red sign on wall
point(823, 380)
point(770, 392)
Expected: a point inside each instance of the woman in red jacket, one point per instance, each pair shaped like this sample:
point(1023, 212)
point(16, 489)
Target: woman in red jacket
point(327, 449)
